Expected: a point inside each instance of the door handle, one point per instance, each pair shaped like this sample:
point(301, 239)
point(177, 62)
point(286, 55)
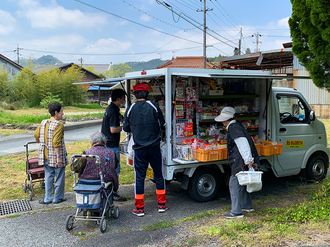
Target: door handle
point(282, 129)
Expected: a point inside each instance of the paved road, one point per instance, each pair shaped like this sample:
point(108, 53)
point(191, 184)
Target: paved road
point(14, 144)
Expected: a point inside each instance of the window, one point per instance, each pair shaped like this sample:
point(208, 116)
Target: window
point(291, 109)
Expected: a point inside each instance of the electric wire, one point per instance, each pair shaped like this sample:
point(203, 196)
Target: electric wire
point(126, 19)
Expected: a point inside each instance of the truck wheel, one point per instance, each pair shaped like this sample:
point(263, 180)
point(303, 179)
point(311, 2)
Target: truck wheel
point(316, 168)
point(204, 185)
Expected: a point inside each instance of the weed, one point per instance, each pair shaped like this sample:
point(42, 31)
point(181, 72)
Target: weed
point(159, 225)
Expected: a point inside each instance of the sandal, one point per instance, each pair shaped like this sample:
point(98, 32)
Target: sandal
point(43, 202)
point(59, 201)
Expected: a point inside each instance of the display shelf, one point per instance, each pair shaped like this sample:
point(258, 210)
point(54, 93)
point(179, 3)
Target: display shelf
point(229, 96)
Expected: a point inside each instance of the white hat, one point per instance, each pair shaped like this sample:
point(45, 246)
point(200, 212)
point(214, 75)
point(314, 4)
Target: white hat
point(226, 113)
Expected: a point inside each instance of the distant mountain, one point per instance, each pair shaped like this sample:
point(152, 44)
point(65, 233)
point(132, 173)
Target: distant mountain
point(152, 64)
point(44, 60)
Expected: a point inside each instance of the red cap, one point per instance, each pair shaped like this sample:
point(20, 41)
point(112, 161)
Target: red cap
point(140, 87)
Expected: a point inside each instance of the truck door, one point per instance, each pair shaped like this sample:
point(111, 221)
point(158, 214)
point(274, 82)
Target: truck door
point(293, 130)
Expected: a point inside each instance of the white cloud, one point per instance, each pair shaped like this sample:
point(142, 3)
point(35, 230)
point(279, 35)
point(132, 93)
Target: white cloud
point(55, 16)
point(145, 17)
point(108, 46)
point(7, 22)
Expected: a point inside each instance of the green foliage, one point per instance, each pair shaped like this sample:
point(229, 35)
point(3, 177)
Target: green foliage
point(158, 225)
point(309, 26)
point(247, 51)
point(50, 98)
point(7, 118)
point(118, 70)
point(5, 83)
point(152, 64)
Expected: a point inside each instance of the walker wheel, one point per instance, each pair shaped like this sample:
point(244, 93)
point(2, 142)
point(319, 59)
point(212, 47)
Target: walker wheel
point(116, 213)
point(69, 222)
point(24, 187)
point(30, 195)
point(103, 224)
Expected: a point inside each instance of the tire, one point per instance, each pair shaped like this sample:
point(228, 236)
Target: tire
point(204, 185)
point(24, 187)
point(69, 222)
point(30, 195)
point(317, 168)
point(115, 212)
point(42, 185)
point(103, 224)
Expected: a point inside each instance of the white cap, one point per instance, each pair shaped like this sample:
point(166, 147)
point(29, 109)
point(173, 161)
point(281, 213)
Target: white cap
point(226, 113)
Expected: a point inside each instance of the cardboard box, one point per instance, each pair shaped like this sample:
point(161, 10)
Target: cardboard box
point(216, 92)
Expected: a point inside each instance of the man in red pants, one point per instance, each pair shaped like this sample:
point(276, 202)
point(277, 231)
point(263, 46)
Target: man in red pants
point(145, 120)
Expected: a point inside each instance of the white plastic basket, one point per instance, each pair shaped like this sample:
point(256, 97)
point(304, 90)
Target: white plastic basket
point(247, 177)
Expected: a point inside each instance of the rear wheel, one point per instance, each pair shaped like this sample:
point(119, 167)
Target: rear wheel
point(204, 185)
point(103, 224)
point(69, 222)
point(115, 212)
point(316, 168)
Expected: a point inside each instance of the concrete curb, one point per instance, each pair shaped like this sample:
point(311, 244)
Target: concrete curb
point(82, 124)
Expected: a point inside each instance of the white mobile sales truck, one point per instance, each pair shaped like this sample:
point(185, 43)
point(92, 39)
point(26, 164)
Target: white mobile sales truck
point(280, 115)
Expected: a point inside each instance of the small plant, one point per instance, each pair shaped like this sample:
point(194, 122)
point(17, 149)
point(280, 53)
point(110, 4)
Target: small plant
point(50, 98)
point(158, 225)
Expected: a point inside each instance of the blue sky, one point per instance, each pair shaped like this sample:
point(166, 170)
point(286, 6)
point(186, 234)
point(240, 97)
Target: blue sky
point(104, 31)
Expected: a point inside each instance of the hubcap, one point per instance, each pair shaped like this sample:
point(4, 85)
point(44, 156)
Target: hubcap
point(318, 168)
point(206, 185)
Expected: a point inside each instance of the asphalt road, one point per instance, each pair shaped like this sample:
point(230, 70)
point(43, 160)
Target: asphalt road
point(14, 144)
point(47, 227)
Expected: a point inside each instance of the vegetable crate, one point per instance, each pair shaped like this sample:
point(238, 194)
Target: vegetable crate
point(268, 148)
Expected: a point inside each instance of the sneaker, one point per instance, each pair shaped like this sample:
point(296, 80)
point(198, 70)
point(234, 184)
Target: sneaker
point(118, 198)
point(138, 212)
point(162, 208)
point(231, 215)
point(247, 210)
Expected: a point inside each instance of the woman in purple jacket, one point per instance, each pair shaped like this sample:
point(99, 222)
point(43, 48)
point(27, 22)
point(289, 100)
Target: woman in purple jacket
point(90, 170)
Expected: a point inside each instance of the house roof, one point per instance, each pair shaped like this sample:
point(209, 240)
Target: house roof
point(11, 62)
point(272, 59)
point(187, 62)
point(39, 68)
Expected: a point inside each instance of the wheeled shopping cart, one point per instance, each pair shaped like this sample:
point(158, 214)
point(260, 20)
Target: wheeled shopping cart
point(35, 173)
point(94, 200)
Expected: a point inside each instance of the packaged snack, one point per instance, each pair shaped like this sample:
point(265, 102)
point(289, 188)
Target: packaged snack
point(180, 130)
point(190, 110)
point(191, 94)
point(179, 112)
point(179, 94)
point(188, 129)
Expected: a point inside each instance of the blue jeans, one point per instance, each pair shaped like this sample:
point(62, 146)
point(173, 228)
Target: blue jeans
point(51, 174)
point(116, 150)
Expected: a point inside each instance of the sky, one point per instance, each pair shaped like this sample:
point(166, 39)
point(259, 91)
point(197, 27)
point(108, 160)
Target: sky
point(118, 31)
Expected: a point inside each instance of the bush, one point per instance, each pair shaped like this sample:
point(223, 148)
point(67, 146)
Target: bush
point(7, 106)
point(50, 98)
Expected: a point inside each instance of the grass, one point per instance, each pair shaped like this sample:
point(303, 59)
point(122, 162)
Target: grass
point(13, 175)
point(36, 115)
point(7, 132)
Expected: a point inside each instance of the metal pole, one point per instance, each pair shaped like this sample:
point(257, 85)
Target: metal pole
point(204, 37)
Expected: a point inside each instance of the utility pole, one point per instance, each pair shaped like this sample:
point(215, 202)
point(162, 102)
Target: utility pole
point(257, 35)
point(17, 51)
point(240, 43)
point(204, 33)
point(81, 61)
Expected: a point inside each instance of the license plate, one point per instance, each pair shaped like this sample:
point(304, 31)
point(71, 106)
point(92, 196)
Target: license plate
point(150, 173)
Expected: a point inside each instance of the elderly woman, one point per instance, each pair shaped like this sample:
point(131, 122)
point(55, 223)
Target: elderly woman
point(90, 170)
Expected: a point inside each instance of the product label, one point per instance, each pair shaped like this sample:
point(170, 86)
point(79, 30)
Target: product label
point(294, 144)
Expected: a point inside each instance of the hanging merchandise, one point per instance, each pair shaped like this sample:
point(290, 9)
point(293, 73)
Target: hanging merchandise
point(179, 93)
point(179, 111)
point(180, 130)
point(191, 94)
point(188, 129)
point(190, 110)
point(199, 106)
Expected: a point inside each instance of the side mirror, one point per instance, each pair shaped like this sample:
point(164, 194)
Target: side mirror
point(311, 116)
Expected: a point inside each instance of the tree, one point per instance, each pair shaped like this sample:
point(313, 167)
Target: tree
point(236, 51)
point(310, 28)
point(5, 82)
point(118, 70)
point(247, 51)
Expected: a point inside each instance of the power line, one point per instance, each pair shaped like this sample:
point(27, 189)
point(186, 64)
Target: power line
point(155, 17)
point(126, 19)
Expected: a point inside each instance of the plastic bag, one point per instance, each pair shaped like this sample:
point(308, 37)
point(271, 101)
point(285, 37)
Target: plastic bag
point(253, 187)
point(130, 150)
